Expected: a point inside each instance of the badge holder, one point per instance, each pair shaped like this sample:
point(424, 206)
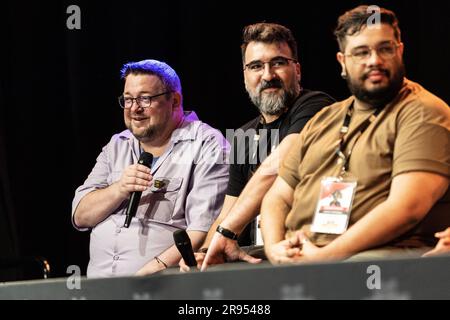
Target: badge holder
point(334, 206)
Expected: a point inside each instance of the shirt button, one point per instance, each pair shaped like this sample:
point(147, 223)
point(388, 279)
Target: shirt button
point(118, 230)
point(116, 258)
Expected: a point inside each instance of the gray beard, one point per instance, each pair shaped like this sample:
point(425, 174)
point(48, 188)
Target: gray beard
point(273, 103)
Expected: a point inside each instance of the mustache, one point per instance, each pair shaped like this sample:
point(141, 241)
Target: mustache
point(274, 83)
point(385, 71)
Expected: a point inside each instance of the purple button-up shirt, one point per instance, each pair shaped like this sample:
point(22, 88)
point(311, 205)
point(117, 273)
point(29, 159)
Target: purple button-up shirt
point(189, 183)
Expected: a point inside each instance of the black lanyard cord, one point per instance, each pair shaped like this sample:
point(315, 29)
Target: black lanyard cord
point(342, 158)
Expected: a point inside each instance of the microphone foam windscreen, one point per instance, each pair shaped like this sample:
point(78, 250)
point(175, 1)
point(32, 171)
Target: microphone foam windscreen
point(146, 159)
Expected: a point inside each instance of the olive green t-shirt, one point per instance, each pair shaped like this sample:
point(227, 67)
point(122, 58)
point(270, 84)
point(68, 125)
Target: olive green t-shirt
point(412, 133)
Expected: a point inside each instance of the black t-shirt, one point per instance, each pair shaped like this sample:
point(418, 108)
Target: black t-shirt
point(247, 153)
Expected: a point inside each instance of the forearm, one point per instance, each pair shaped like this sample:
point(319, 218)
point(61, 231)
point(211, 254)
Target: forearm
point(166, 259)
point(248, 204)
point(382, 224)
point(212, 231)
point(411, 197)
point(97, 206)
point(171, 256)
point(273, 215)
point(227, 205)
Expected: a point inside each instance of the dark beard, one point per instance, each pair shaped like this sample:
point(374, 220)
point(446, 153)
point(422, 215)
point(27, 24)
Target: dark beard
point(147, 135)
point(152, 132)
point(381, 97)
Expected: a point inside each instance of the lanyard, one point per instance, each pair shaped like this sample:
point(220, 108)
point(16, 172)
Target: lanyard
point(342, 158)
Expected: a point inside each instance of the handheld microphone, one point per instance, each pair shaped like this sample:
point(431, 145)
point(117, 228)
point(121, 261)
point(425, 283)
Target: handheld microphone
point(183, 243)
point(145, 159)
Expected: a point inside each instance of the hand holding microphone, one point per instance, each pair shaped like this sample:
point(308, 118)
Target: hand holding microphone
point(136, 179)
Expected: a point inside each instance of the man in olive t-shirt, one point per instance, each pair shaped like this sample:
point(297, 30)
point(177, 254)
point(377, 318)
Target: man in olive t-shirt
point(396, 145)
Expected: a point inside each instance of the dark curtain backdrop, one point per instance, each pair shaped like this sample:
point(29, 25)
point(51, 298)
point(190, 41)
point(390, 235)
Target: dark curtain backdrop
point(59, 88)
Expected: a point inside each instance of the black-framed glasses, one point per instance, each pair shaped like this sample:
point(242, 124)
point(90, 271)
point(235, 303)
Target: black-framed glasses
point(142, 101)
point(276, 63)
point(386, 51)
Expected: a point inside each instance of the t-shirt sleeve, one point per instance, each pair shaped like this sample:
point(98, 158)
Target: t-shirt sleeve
point(308, 110)
point(290, 165)
point(423, 139)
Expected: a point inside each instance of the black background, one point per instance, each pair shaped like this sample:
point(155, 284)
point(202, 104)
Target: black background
point(59, 88)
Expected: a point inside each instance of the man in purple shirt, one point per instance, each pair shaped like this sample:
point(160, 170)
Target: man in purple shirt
point(184, 189)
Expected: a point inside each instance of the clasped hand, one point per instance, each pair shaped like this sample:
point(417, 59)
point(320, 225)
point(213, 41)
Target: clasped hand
point(135, 177)
point(294, 249)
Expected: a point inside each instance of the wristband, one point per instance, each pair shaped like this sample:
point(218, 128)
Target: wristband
point(227, 233)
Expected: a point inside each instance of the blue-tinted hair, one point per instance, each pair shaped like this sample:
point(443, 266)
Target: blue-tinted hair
point(162, 70)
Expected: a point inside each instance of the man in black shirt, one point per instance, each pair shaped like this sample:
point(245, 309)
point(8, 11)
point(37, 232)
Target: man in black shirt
point(272, 80)
point(257, 138)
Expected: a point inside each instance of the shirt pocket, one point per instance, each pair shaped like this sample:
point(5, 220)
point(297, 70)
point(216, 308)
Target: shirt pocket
point(162, 198)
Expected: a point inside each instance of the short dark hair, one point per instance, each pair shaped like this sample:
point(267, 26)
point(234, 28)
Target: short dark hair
point(268, 33)
point(162, 70)
point(351, 22)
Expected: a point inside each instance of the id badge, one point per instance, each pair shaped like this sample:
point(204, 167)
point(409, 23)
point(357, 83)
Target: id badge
point(334, 205)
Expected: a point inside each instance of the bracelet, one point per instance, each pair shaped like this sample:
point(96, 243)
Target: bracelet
point(227, 233)
point(160, 261)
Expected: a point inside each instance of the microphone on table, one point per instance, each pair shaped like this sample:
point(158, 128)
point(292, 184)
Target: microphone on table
point(145, 159)
point(184, 246)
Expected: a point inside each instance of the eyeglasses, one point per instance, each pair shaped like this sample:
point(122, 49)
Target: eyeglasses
point(277, 63)
point(385, 51)
point(142, 101)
